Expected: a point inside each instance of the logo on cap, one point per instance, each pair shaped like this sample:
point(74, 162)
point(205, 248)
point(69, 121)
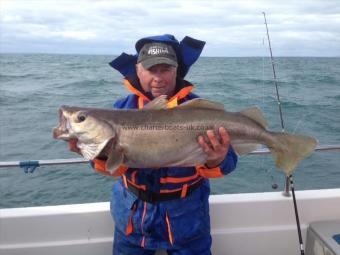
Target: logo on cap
point(157, 53)
point(155, 50)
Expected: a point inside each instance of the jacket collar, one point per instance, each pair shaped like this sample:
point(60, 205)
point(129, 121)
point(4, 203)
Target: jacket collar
point(183, 89)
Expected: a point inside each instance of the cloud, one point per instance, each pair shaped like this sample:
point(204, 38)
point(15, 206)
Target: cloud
point(231, 28)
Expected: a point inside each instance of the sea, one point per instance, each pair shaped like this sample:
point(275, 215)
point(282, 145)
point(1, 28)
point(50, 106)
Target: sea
point(34, 86)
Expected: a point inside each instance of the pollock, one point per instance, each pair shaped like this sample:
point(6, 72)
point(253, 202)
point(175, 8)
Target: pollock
point(156, 137)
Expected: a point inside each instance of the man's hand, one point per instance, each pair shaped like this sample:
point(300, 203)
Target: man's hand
point(215, 148)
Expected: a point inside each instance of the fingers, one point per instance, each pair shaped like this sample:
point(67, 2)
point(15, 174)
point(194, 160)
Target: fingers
point(224, 136)
point(215, 143)
point(220, 140)
point(206, 148)
point(216, 146)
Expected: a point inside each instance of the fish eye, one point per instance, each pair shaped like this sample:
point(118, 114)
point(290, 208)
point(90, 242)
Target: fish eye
point(81, 117)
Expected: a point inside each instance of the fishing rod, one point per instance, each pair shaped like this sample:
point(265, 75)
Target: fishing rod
point(289, 179)
point(274, 74)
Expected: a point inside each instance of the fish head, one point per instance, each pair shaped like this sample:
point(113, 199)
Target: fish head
point(83, 124)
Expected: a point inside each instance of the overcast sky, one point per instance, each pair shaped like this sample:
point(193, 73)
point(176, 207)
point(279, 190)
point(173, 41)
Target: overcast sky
point(230, 28)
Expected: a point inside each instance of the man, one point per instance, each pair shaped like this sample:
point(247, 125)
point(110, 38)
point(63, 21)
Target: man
point(165, 208)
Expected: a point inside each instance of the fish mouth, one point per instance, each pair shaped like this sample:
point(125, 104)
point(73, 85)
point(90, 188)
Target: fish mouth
point(62, 131)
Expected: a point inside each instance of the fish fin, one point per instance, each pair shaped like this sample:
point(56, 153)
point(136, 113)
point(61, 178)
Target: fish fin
point(114, 161)
point(291, 149)
point(157, 104)
point(201, 103)
point(245, 148)
point(255, 114)
point(91, 150)
point(88, 150)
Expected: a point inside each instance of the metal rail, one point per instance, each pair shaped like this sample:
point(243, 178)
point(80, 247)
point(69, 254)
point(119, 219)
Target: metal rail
point(264, 151)
point(47, 162)
point(318, 148)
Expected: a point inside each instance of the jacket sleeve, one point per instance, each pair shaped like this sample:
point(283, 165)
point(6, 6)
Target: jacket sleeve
point(228, 165)
point(99, 166)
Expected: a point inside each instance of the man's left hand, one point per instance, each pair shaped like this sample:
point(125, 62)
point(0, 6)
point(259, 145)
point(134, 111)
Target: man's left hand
point(215, 148)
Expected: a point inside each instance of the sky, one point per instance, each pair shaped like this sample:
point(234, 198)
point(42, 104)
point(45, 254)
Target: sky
point(230, 28)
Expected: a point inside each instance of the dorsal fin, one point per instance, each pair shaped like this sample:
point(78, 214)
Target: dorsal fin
point(157, 104)
point(201, 103)
point(255, 114)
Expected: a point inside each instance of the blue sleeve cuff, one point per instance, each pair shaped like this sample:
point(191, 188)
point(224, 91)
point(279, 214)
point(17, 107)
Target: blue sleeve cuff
point(229, 163)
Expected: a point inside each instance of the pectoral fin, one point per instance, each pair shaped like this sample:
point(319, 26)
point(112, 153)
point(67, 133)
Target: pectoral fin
point(92, 150)
point(114, 161)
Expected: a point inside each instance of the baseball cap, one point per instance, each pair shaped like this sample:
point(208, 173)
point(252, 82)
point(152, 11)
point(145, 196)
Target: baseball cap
point(157, 53)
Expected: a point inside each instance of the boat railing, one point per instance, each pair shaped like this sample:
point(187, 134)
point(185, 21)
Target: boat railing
point(48, 162)
point(29, 166)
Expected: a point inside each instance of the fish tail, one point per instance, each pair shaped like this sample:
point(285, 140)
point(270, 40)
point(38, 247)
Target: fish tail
point(291, 149)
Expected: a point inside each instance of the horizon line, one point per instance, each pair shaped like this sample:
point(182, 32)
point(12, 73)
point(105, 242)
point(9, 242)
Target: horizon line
point(203, 56)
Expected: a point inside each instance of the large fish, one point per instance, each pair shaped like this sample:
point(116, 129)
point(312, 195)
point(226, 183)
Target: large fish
point(157, 137)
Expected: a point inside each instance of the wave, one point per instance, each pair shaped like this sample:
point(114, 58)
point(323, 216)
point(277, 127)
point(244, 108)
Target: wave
point(84, 83)
point(336, 97)
point(15, 76)
point(326, 79)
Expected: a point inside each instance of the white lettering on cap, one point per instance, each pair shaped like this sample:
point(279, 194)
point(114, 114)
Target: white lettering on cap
point(155, 50)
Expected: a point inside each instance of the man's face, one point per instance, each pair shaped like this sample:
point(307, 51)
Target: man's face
point(158, 79)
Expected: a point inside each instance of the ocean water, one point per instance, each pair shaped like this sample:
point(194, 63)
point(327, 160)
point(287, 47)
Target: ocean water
point(33, 87)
